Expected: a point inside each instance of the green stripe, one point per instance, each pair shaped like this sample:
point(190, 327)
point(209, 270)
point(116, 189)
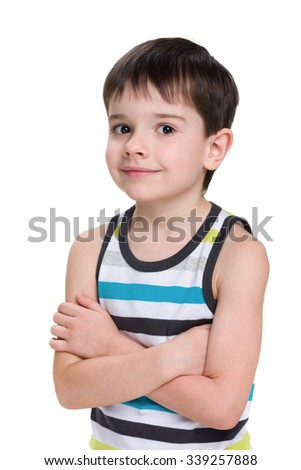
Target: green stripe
point(150, 293)
point(116, 231)
point(243, 444)
point(96, 445)
point(211, 236)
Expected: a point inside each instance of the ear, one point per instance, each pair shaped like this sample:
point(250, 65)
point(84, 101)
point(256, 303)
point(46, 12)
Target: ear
point(219, 144)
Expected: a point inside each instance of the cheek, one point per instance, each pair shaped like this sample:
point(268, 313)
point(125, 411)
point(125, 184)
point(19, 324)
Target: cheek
point(107, 157)
point(113, 163)
point(111, 155)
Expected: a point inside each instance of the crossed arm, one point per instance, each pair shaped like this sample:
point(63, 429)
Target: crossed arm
point(205, 377)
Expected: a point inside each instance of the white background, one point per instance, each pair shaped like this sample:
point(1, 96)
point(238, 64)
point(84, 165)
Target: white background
point(54, 58)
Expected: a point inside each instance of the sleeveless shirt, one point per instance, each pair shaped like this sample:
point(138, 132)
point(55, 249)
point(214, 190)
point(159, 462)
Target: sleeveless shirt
point(151, 302)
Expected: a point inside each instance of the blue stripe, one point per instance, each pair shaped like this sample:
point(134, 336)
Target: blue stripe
point(150, 293)
point(251, 393)
point(144, 403)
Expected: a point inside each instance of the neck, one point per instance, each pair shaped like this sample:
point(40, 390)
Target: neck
point(165, 214)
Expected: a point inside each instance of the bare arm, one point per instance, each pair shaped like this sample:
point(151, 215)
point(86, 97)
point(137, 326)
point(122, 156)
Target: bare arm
point(218, 398)
point(82, 383)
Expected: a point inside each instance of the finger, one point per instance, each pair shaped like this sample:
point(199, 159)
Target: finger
point(69, 308)
point(88, 303)
point(62, 319)
point(58, 345)
point(59, 331)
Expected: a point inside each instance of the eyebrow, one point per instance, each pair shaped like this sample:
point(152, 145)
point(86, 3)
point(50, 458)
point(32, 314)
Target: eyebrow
point(156, 115)
point(169, 116)
point(117, 116)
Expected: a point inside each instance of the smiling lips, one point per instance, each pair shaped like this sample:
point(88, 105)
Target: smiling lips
point(138, 172)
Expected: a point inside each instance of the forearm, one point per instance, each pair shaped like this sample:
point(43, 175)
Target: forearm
point(191, 396)
point(85, 383)
point(200, 399)
point(175, 394)
point(109, 370)
point(197, 397)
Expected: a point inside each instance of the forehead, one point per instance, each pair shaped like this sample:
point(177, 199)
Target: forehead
point(148, 95)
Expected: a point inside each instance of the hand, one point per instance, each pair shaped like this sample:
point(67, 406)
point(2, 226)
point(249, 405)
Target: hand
point(192, 347)
point(84, 329)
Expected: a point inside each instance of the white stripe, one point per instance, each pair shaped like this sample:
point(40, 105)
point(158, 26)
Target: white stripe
point(128, 275)
point(147, 340)
point(194, 262)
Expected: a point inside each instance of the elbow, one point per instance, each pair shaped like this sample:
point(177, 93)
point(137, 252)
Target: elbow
point(227, 407)
point(225, 422)
point(66, 396)
point(67, 387)
point(65, 402)
point(225, 416)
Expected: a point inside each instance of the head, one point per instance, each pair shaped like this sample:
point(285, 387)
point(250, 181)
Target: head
point(181, 71)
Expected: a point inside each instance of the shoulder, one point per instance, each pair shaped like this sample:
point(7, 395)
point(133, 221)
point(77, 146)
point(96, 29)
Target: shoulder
point(87, 243)
point(241, 246)
point(242, 260)
point(82, 262)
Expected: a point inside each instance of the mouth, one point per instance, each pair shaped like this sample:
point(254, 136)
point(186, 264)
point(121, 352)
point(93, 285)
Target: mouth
point(138, 172)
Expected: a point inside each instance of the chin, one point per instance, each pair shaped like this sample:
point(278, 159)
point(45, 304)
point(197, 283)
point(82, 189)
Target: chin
point(140, 196)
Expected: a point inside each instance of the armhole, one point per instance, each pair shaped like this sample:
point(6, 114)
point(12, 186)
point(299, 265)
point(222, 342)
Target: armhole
point(108, 235)
point(213, 256)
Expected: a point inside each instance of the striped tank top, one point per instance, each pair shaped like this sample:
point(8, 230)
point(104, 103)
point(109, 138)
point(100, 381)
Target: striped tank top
point(152, 302)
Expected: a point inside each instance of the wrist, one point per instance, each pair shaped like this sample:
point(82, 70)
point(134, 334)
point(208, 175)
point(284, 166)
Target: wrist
point(186, 353)
point(171, 359)
point(122, 344)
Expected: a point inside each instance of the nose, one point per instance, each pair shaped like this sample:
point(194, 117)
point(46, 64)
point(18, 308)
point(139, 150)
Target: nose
point(135, 146)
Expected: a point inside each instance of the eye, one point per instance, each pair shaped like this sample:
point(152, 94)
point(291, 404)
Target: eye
point(165, 129)
point(121, 129)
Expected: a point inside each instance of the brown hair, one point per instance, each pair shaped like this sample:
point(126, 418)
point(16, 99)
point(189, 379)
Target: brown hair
point(180, 70)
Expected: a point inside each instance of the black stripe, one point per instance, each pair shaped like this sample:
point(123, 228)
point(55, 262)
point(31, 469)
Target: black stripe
point(214, 253)
point(157, 327)
point(110, 230)
point(165, 434)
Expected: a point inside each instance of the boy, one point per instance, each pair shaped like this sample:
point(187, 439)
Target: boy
point(167, 358)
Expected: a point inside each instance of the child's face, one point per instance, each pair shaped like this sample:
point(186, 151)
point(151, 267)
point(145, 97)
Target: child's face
point(156, 151)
